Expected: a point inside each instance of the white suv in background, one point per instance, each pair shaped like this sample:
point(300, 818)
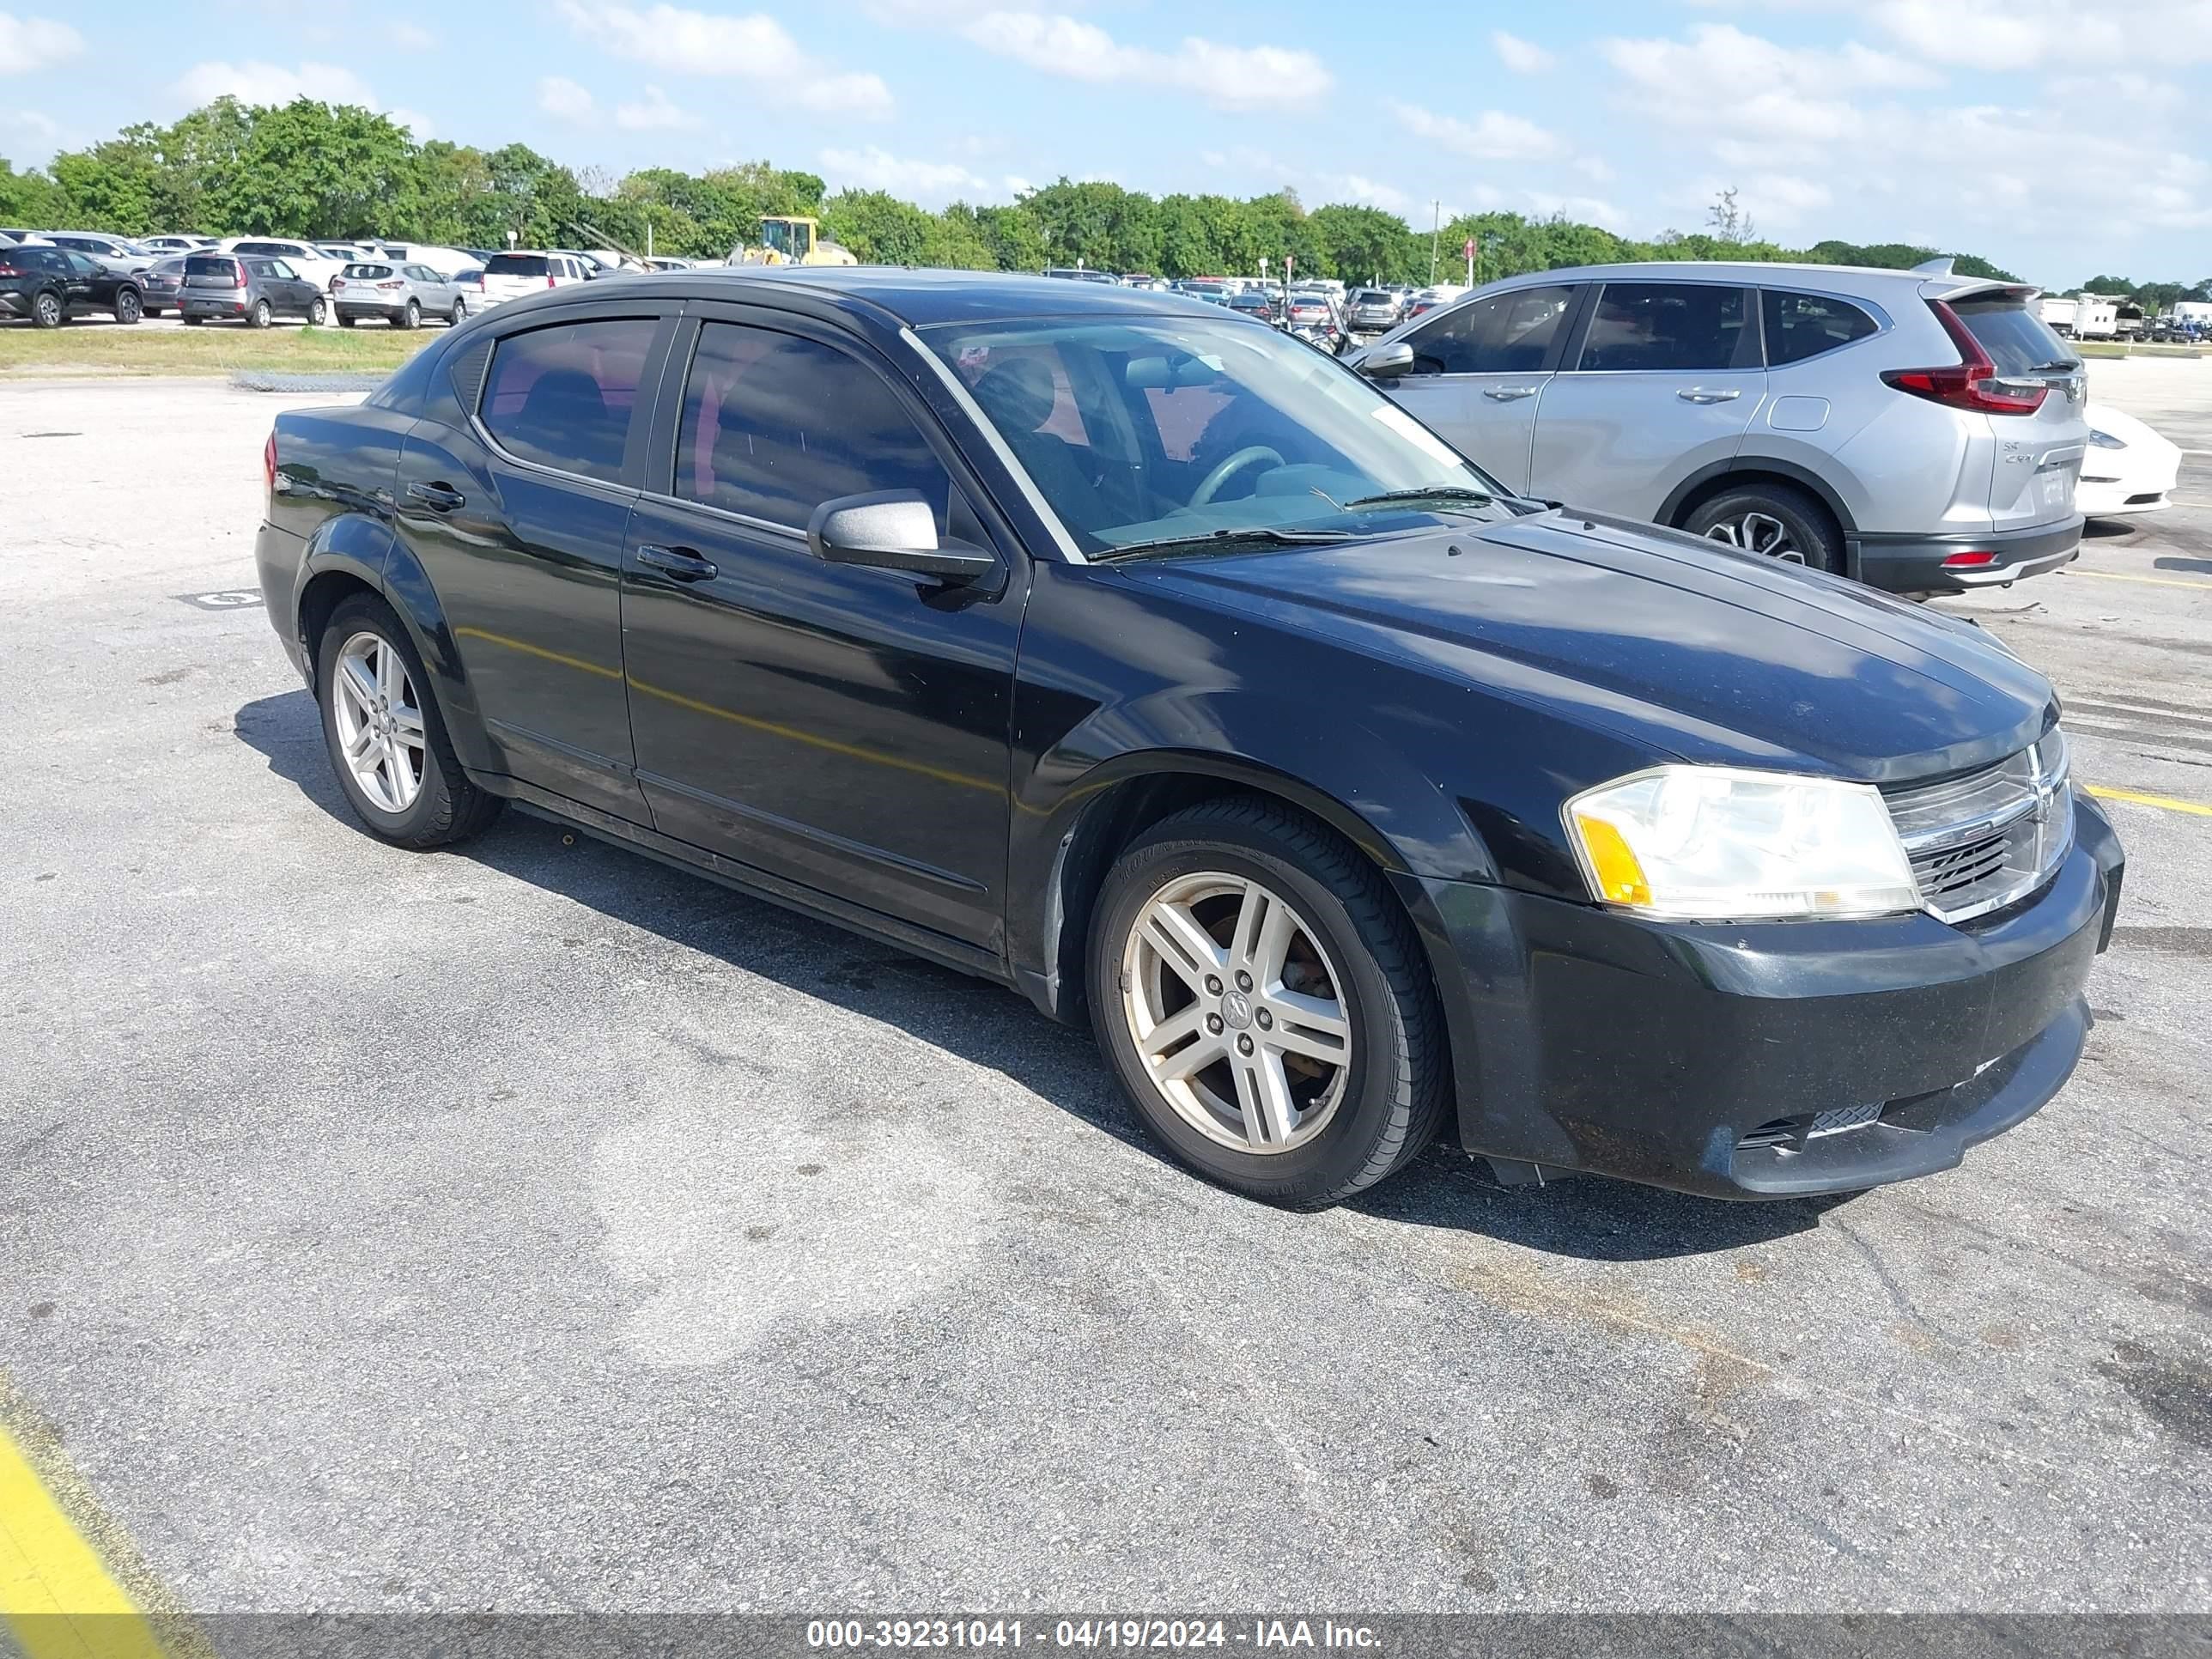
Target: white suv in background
point(511, 276)
point(1920, 431)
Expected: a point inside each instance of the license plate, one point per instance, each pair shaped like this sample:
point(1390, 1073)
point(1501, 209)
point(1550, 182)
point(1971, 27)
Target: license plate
point(2058, 487)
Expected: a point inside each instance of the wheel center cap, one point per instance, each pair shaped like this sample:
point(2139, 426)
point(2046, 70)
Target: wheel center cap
point(1237, 1010)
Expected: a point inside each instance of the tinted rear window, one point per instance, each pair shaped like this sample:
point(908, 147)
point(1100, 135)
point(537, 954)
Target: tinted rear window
point(368, 273)
point(563, 397)
point(261, 247)
point(2017, 340)
point(515, 264)
point(209, 264)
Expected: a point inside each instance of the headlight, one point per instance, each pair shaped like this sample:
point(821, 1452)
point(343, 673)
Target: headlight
point(1711, 843)
point(2106, 440)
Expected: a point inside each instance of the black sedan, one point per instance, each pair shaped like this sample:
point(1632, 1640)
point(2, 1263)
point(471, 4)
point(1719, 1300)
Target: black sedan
point(1105, 647)
point(47, 286)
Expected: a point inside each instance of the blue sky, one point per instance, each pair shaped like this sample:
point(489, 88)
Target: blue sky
point(2032, 132)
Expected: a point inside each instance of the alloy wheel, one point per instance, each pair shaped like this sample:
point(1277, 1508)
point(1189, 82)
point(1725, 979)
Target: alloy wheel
point(1758, 532)
point(1236, 1012)
point(380, 721)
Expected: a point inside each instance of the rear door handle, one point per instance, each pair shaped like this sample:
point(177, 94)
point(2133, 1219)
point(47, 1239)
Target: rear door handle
point(1506, 394)
point(680, 563)
point(1698, 394)
point(442, 498)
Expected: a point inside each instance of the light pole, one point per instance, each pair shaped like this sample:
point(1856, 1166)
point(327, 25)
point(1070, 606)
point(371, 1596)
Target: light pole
point(1436, 225)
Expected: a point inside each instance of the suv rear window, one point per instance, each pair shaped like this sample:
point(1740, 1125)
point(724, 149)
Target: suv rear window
point(368, 273)
point(211, 264)
point(2017, 340)
point(516, 265)
point(1802, 325)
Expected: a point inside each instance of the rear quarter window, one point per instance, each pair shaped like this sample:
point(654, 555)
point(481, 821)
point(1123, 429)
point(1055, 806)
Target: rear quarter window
point(1803, 325)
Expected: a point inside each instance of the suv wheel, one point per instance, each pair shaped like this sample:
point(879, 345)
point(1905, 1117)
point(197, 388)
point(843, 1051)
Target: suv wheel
point(387, 740)
point(411, 317)
point(128, 309)
point(318, 312)
point(1777, 521)
point(46, 311)
point(261, 316)
point(1261, 998)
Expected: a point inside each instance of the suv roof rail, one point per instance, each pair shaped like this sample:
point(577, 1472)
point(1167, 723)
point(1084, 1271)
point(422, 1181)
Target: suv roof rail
point(1936, 267)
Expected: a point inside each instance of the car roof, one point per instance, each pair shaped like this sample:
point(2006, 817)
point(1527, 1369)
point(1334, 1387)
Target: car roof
point(919, 297)
point(1872, 280)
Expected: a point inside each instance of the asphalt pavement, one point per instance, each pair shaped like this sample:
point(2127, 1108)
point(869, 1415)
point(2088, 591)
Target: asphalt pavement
point(533, 1227)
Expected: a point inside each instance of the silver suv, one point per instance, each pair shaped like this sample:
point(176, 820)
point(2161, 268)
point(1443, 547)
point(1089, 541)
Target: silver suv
point(1920, 431)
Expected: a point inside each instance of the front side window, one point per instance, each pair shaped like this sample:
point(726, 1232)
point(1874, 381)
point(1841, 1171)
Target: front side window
point(564, 397)
point(83, 264)
point(774, 425)
point(1170, 430)
point(1802, 325)
point(1670, 326)
point(1507, 334)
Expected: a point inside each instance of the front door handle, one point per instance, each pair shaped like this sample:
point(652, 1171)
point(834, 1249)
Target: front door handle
point(1698, 394)
point(1506, 394)
point(442, 498)
point(680, 563)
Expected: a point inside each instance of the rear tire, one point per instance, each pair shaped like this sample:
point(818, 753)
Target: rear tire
point(411, 317)
point(47, 311)
point(1778, 520)
point(194, 322)
point(344, 321)
point(1346, 956)
point(427, 800)
point(261, 316)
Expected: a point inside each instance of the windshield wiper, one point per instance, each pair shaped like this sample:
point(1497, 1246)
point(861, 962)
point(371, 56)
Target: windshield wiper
point(2063, 362)
point(1220, 540)
point(1457, 494)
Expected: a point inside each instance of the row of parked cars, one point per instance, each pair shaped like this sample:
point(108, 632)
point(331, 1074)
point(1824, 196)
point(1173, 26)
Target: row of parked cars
point(47, 277)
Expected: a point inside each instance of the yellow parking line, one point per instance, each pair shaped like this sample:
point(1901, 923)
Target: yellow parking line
point(55, 1597)
point(2148, 581)
point(2195, 809)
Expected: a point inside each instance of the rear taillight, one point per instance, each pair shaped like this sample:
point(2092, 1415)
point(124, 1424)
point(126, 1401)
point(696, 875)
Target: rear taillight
point(548, 282)
point(9, 271)
point(393, 284)
point(269, 465)
point(1973, 384)
point(1969, 561)
point(238, 276)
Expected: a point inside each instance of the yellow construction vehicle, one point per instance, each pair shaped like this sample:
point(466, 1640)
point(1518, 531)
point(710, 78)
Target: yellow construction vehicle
point(791, 240)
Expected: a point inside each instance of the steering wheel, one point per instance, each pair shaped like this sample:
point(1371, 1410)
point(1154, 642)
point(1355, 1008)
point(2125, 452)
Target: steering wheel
point(1229, 469)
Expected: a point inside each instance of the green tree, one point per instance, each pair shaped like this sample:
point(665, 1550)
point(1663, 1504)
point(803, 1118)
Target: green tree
point(310, 169)
point(28, 198)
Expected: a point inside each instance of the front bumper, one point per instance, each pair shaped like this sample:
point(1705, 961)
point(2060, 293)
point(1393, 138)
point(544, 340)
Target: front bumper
point(1763, 1060)
point(1914, 564)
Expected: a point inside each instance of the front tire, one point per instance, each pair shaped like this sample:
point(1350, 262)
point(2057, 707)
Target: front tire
point(1775, 520)
point(1261, 998)
point(384, 735)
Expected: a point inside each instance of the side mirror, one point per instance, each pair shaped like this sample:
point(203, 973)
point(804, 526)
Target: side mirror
point(892, 530)
point(1387, 363)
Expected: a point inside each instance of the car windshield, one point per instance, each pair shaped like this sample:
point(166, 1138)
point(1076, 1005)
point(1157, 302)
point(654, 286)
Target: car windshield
point(1160, 432)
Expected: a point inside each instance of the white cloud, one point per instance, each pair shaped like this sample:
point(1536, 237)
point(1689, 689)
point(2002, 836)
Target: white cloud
point(563, 99)
point(1783, 200)
point(655, 112)
point(256, 83)
point(1228, 77)
point(1585, 210)
point(34, 43)
point(415, 121)
point(1522, 57)
point(1999, 36)
point(929, 183)
point(1789, 96)
point(31, 137)
point(754, 48)
point(1368, 192)
point(411, 36)
point(1493, 136)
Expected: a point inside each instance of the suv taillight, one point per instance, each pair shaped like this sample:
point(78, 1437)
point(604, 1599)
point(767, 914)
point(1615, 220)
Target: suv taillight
point(269, 465)
point(1973, 384)
point(238, 276)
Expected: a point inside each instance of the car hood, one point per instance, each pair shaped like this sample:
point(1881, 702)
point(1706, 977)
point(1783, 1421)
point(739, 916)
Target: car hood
point(1677, 643)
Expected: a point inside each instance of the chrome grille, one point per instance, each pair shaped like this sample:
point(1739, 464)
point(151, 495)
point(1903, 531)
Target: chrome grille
point(1982, 840)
